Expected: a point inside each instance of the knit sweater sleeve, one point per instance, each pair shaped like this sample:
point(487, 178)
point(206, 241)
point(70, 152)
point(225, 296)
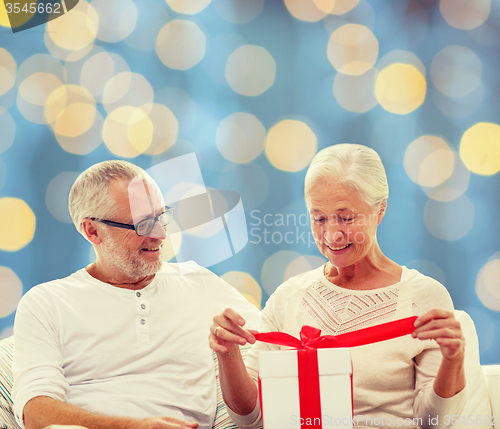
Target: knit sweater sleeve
point(432, 410)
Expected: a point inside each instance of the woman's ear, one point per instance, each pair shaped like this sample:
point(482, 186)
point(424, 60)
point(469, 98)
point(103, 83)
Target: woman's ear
point(381, 210)
point(90, 231)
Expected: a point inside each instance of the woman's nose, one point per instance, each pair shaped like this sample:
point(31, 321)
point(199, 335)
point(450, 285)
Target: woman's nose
point(333, 235)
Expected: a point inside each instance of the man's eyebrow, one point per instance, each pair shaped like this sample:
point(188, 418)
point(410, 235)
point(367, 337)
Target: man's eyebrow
point(149, 215)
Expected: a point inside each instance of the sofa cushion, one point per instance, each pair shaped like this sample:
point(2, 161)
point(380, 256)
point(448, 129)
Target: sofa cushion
point(6, 353)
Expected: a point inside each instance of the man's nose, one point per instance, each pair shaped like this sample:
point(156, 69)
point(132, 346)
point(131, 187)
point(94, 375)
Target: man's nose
point(158, 232)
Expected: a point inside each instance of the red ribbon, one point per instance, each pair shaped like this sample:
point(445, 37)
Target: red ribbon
point(307, 357)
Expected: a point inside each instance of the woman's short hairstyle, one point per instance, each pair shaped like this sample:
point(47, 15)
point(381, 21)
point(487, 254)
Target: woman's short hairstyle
point(353, 165)
point(90, 197)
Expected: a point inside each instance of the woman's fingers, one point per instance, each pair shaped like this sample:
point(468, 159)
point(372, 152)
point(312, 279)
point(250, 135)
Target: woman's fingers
point(228, 330)
point(440, 325)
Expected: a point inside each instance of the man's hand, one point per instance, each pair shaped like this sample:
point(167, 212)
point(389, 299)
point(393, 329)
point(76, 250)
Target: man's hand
point(440, 325)
point(41, 411)
point(165, 423)
point(227, 332)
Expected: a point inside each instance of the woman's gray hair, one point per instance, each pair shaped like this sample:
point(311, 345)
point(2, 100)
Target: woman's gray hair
point(89, 196)
point(356, 166)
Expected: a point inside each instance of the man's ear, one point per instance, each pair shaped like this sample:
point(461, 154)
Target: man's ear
point(381, 210)
point(90, 231)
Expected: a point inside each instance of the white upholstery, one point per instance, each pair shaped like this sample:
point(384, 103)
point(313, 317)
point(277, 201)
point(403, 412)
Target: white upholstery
point(477, 412)
point(492, 373)
point(483, 385)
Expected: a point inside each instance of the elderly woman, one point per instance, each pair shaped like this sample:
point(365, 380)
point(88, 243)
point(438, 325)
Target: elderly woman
point(404, 378)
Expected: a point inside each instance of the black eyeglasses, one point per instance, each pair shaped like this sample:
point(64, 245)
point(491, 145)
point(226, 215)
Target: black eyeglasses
point(145, 226)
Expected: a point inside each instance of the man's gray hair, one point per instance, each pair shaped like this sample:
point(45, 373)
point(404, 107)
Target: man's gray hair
point(356, 166)
point(90, 197)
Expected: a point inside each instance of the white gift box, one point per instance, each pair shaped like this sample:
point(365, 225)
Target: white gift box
point(278, 371)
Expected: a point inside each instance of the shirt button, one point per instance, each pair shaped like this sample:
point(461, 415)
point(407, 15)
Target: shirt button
point(143, 306)
point(143, 321)
point(138, 294)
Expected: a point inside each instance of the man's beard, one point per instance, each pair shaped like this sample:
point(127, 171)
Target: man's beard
point(127, 262)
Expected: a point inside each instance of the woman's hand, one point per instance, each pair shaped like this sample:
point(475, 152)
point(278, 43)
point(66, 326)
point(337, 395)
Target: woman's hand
point(440, 325)
point(227, 332)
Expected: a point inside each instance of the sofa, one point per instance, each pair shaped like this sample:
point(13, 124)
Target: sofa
point(483, 386)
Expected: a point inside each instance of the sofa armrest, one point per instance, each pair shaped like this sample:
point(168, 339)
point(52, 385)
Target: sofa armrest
point(7, 419)
point(492, 374)
point(222, 419)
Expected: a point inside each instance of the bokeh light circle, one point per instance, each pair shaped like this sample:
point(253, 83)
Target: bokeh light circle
point(7, 129)
point(240, 137)
point(290, 145)
point(352, 49)
point(305, 10)
point(465, 14)
point(70, 110)
point(181, 44)
point(274, 268)
point(480, 148)
point(17, 224)
point(56, 197)
point(429, 161)
point(326, 6)
point(188, 7)
point(460, 107)
point(127, 89)
point(75, 119)
point(85, 142)
point(250, 70)
point(41, 63)
point(238, 11)
point(4, 17)
point(11, 291)
point(392, 146)
point(33, 93)
point(454, 186)
point(99, 69)
point(36, 88)
point(249, 180)
point(67, 55)
point(456, 71)
point(245, 284)
point(165, 129)
point(8, 70)
point(449, 221)
point(340, 7)
point(356, 93)
point(118, 18)
point(303, 264)
point(128, 131)
point(488, 285)
point(173, 243)
point(76, 30)
point(400, 88)
point(151, 17)
point(401, 57)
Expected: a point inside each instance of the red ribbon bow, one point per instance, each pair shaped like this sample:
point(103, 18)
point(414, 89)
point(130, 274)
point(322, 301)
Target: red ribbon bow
point(307, 357)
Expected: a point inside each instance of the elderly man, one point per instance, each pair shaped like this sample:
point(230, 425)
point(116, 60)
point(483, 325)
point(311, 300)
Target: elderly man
point(121, 343)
